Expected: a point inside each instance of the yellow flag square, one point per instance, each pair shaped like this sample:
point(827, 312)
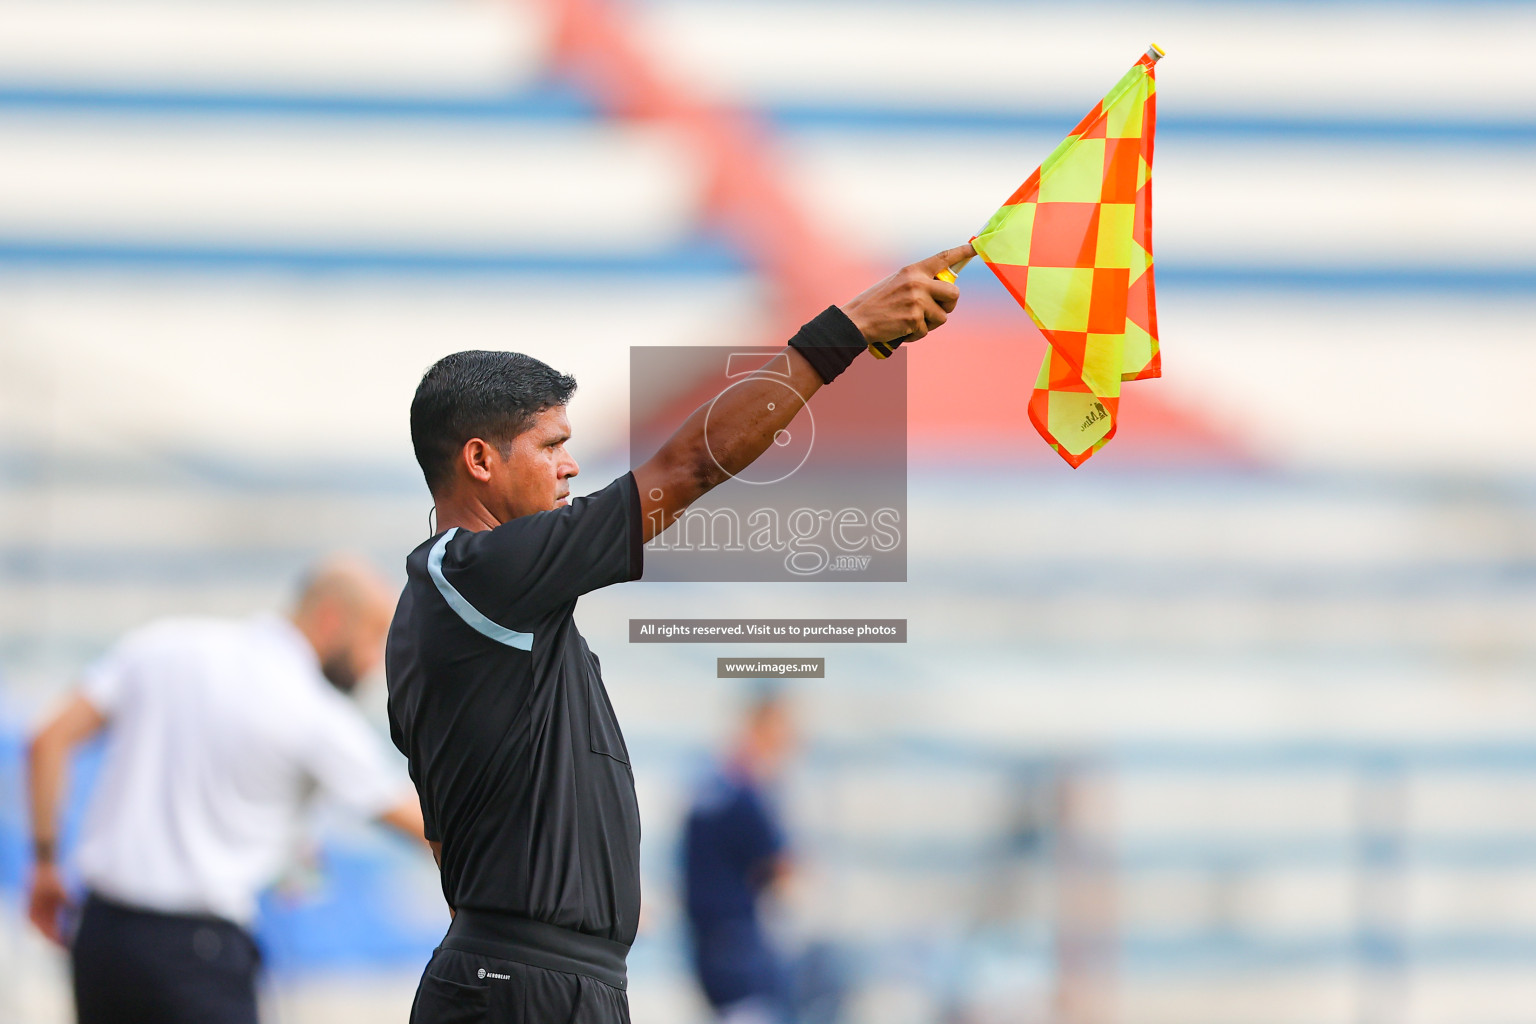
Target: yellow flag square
point(1123, 120)
point(1006, 238)
point(1078, 420)
point(1116, 221)
point(1077, 175)
point(1059, 297)
point(1102, 363)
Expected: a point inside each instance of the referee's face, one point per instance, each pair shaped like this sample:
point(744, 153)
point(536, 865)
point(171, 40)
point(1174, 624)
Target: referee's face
point(536, 474)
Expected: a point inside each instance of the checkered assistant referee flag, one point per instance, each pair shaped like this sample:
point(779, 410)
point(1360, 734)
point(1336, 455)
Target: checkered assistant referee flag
point(1074, 246)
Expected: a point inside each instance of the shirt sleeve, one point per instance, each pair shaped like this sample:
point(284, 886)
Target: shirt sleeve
point(107, 681)
point(523, 568)
point(347, 761)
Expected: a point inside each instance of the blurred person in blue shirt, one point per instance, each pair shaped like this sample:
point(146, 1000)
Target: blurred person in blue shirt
point(734, 851)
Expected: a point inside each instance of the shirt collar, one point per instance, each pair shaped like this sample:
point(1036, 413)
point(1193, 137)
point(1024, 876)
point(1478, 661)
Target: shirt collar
point(286, 637)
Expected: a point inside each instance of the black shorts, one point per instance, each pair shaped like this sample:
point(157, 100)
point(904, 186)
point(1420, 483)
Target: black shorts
point(471, 988)
point(503, 969)
point(135, 966)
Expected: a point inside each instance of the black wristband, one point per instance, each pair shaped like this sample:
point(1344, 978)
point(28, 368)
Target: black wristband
point(44, 851)
point(829, 343)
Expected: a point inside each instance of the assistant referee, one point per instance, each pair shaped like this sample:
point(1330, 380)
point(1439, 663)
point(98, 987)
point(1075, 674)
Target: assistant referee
point(495, 698)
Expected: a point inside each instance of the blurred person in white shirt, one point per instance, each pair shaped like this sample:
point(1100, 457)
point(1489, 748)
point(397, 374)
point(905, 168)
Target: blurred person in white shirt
point(218, 732)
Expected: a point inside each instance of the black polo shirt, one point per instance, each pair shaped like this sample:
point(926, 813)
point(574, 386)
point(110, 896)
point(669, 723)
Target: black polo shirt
point(500, 708)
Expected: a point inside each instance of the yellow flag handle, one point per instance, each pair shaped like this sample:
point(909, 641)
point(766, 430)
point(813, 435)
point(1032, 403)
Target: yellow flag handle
point(883, 349)
point(952, 272)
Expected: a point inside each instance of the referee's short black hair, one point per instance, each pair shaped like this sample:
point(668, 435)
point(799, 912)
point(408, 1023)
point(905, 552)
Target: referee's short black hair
point(490, 395)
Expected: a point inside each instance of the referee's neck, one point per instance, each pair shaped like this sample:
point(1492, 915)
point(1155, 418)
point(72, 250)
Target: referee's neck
point(471, 516)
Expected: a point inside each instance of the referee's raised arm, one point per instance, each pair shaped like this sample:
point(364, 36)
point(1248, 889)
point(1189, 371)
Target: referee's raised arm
point(743, 420)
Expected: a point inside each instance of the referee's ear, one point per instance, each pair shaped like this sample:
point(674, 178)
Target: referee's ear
point(476, 459)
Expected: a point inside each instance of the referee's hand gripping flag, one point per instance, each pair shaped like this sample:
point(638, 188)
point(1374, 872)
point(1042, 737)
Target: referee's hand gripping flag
point(911, 302)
